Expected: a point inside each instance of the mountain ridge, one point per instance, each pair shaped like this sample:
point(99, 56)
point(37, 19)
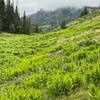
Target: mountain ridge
point(43, 17)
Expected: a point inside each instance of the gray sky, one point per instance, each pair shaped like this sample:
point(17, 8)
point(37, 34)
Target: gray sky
point(31, 6)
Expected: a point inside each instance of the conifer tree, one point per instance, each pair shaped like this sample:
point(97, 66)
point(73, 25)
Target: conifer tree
point(17, 21)
point(2, 13)
point(84, 12)
point(24, 24)
point(63, 24)
point(29, 30)
point(36, 28)
point(12, 18)
point(7, 17)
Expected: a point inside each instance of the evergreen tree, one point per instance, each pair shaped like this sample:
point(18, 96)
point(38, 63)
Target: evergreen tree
point(17, 21)
point(29, 26)
point(63, 24)
point(84, 12)
point(7, 17)
point(24, 24)
point(2, 13)
point(36, 28)
point(0, 24)
point(12, 18)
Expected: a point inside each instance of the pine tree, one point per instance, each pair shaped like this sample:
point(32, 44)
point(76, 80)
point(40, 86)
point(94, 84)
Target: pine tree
point(17, 21)
point(0, 24)
point(63, 24)
point(36, 28)
point(7, 17)
point(29, 26)
point(24, 24)
point(12, 18)
point(2, 13)
point(84, 12)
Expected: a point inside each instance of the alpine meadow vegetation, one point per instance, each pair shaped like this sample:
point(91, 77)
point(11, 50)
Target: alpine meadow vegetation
point(60, 65)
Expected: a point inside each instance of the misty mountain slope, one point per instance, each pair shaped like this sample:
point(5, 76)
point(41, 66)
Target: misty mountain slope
point(55, 17)
point(62, 65)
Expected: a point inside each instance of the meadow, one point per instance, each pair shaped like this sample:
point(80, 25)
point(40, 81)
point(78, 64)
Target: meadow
point(60, 65)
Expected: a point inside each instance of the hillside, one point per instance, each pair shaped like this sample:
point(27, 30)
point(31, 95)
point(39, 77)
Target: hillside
point(62, 65)
point(55, 18)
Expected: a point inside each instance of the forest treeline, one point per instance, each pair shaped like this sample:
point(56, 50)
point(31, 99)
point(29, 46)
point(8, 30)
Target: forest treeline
point(11, 22)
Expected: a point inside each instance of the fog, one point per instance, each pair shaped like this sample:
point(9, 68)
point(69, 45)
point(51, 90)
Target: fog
point(31, 6)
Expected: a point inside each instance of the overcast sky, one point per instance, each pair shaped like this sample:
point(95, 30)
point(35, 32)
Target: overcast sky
point(31, 6)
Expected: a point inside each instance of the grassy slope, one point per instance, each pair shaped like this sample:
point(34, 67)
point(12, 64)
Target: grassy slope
point(39, 65)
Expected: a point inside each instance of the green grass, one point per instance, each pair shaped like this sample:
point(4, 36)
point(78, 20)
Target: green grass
point(62, 65)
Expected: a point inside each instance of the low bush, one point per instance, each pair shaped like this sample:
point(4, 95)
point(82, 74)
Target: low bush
point(59, 85)
point(94, 92)
point(17, 93)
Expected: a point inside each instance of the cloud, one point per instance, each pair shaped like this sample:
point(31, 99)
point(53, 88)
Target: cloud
point(31, 6)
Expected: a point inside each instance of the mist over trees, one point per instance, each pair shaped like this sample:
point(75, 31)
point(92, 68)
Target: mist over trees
point(10, 20)
point(84, 12)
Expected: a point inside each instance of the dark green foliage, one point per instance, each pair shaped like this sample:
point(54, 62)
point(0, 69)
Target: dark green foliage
point(94, 92)
point(84, 12)
point(77, 81)
point(59, 85)
point(8, 16)
point(10, 20)
point(93, 76)
point(63, 24)
point(17, 21)
point(24, 25)
point(36, 28)
point(2, 14)
point(87, 43)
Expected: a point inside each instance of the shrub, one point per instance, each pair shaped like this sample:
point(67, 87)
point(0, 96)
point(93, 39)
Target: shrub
point(94, 92)
point(93, 76)
point(59, 85)
point(87, 43)
point(77, 80)
point(15, 93)
point(93, 57)
point(35, 81)
point(81, 55)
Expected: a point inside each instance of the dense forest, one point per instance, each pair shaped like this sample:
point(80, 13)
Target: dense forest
point(11, 22)
point(42, 21)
